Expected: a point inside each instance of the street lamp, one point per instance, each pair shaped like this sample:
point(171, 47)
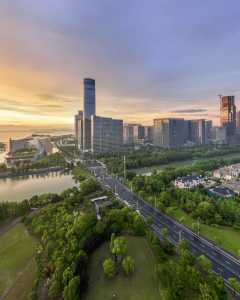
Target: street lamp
point(198, 223)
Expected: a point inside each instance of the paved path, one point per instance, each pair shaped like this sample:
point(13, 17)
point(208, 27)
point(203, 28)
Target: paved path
point(9, 225)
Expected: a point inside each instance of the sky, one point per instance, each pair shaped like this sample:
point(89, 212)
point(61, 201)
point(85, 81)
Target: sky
point(150, 58)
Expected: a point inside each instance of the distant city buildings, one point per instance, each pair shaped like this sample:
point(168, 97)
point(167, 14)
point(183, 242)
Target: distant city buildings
point(165, 132)
point(93, 133)
point(168, 132)
point(137, 134)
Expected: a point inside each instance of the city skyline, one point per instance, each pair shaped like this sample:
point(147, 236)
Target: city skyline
point(174, 65)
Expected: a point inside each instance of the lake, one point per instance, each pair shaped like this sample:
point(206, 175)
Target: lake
point(20, 188)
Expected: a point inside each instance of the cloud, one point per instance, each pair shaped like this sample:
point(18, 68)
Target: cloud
point(52, 97)
point(34, 108)
point(189, 111)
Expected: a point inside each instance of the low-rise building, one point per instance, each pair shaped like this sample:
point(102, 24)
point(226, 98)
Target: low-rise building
point(100, 203)
point(27, 150)
point(228, 173)
point(221, 191)
point(189, 182)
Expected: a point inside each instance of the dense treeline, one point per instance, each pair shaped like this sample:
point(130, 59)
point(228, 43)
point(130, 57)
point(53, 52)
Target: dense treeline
point(68, 232)
point(152, 157)
point(10, 210)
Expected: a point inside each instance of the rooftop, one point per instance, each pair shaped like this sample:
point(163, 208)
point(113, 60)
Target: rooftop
point(222, 191)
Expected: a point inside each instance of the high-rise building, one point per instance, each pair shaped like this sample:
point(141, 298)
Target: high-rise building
point(168, 132)
point(238, 119)
point(208, 131)
point(219, 135)
point(148, 134)
point(200, 132)
point(133, 133)
point(89, 103)
point(78, 128)
point(138, 133)
point(228, 114)
point(106, 135)
point(128, 137)
point(89, 109)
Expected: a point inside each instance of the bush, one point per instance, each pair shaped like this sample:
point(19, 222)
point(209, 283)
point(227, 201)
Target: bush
point(109, 268)
point(128, 265)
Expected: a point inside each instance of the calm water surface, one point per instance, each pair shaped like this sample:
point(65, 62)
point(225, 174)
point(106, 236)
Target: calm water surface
point(18, 189)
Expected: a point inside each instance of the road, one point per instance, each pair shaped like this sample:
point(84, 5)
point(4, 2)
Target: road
point(223, 263)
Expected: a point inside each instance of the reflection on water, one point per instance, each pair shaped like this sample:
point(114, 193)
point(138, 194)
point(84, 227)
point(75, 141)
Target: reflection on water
point(20, 188)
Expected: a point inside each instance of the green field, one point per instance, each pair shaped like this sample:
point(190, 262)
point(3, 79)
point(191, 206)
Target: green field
point(16, 263)
point(226, 237)
point(142, 285)
point(183, 163)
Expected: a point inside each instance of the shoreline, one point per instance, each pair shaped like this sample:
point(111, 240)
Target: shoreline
point(6, 175)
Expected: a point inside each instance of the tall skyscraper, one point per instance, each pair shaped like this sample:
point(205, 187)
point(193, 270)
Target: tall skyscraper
point(93, 133)
point(89, 109)
point(228, 114)
point(89, 103)
point(168, 132)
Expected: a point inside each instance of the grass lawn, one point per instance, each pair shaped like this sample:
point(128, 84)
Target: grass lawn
point(142, 285)
point(16, 252)
point(24, 283)
point(229, 237)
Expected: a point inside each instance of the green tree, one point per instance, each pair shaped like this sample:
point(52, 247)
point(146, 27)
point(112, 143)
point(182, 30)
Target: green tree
point(235, 284)
point(205, 264)
point(118, 247)
point(128, 265)
point(149, 220)
point(109, 267)
point(71, 291)
point(206, 293)
point(165, 232)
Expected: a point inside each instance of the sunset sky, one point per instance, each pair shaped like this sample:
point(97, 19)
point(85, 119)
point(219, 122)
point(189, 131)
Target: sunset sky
point(150, 58)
